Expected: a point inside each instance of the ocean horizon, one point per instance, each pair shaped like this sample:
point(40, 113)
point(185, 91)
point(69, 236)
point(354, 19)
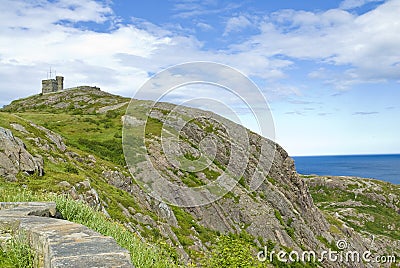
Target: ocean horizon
point(385, 167)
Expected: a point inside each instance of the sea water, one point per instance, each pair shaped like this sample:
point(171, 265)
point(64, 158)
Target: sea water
point(381, 167)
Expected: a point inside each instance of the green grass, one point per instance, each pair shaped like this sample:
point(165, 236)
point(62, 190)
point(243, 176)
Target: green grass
point(211, 174)
point(153, 127)
point(37, 103)
point(192, 180)
point(109, 149)
point(12, 193)
point(69, 168)
point(230, 251)
point(102, 142)
point(242, 181)
point(186, 223)
point(16, 252)
point(271, 180)
point(278, 216)
point(190, 156)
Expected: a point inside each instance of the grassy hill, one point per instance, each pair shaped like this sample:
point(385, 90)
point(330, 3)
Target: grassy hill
point(78, 136)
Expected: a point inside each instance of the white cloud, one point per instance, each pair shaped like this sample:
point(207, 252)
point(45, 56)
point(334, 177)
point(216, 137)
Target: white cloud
point(35, 35)
point(195, 8)
point(204, 26)
point(39, 14)
point(236, 24)
point(45, 34)
point(367, 44)
point(350, 4)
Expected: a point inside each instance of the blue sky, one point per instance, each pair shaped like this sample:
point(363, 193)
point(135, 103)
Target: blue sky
point(330, 70)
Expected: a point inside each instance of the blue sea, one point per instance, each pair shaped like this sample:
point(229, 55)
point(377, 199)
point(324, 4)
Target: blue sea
point(381, 167)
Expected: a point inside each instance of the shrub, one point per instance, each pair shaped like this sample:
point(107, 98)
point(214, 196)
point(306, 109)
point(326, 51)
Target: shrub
point(112, 114)
point(231, 252)
point(69, 168)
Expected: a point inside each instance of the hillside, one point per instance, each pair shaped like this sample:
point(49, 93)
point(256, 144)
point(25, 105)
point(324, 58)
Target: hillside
point(370, 207)
point(71, 142)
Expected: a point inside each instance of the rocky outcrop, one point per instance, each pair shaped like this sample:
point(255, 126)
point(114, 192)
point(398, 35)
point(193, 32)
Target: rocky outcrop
point(83, 191)
point(118, 179)
point(132, 121)
point(19, 128)
point(271, 202)
point(59, 243)
point(279, 190)
point(53, 137)
point(15, 158)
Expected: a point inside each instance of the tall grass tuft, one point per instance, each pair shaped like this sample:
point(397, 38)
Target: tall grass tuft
point(9, 194)
point(16, 252)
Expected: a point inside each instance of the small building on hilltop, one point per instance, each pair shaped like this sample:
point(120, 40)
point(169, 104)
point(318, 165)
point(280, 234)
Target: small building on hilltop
point(53, 85)
point(57, 85)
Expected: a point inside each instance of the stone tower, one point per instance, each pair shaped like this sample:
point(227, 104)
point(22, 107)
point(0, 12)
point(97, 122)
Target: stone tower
point(53, 85)
point(60, 83)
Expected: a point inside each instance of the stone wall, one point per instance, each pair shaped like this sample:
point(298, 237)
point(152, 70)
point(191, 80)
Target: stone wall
point(60, 243)
point(49, 85)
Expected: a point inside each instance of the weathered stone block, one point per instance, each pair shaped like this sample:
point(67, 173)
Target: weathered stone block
point(60, 243)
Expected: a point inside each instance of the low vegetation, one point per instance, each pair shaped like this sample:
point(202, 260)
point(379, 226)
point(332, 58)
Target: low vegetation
point(365, 211)
point(142, 254)
point(16, 252)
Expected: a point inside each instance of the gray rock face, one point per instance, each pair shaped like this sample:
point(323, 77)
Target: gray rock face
point(14, 157)
point(111, 107)
point(359, 211)
point(271, 202)
point(289, 194)
point(132, 121)
point(64, 184)
point(19, 128)
point(118, 179)
point(167, 213)
point(53, 137)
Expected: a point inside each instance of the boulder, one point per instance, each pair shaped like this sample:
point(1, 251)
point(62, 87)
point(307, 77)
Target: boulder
point(15, 158)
